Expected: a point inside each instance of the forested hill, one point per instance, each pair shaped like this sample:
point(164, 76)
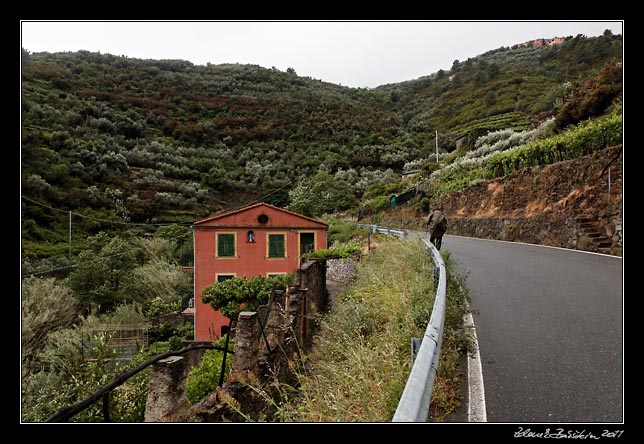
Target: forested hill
point(130, 140)
point(502, 88)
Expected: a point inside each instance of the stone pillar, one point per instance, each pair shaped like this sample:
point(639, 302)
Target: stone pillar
point(167, 401)
point(246, 343)
point(275, 323)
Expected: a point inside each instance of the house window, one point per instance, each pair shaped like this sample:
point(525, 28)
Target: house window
point(225, 244)
point(262, 219)
point(276, 245)
point(250, 236)
point(307, 242)
point(272, 275)
point(224, 277)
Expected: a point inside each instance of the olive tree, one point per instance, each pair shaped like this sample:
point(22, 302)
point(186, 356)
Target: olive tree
point(320, 194)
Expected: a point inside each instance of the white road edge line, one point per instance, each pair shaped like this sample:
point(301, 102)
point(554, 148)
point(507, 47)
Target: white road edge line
point(476, 411)
point(534, 245)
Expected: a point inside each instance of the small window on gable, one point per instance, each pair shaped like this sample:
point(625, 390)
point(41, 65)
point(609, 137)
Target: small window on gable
point(262, 219)
point(250, 236)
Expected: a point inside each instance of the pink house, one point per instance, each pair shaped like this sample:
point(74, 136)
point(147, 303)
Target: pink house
point(548, 42)
point(556, 41)
point(259, 239)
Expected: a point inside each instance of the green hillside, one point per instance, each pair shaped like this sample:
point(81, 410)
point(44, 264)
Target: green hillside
point(119, 156)
point(122, 140)
point(502, 88)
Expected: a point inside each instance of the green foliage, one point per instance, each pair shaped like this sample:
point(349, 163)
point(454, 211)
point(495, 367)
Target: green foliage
point(242, 294)
point(121, 139)
point(592, 97)
point(74, 362)
point(102, 270)
point(181, 238)
point(158, 279)
point(361, 362)
point(350, 249)
point(160, 306)
point(126, 314)
point(341, 231)
point(588, 136)
point(77, 363)
point(116, 270)
point(315, 196)
point(47, 307)
point(511, 151)
point(174, 335)
point(203, 379)
point(378, 204)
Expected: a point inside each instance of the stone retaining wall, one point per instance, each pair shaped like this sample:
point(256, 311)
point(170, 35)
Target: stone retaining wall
point(267, 342)
point(572, 204)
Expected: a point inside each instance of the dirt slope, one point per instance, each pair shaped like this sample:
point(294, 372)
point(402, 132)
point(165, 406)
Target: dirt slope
point(565, 204)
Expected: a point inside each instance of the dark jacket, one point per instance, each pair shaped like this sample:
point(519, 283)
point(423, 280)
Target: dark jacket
point(437, 223)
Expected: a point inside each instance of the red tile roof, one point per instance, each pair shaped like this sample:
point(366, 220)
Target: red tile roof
point(264, 204)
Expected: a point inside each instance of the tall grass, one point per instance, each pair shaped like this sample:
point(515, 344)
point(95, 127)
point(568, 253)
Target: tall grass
point(360, 363)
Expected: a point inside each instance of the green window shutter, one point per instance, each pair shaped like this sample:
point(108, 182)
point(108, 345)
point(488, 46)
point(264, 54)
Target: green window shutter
point(276, 245)
point(225, 245)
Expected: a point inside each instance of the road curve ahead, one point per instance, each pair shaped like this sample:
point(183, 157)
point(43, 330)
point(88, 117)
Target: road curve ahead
point(550, 330)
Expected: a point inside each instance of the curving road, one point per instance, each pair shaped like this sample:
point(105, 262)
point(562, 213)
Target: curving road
point(550, 330)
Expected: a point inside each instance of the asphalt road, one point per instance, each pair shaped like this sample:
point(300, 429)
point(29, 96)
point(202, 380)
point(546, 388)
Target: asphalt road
point(550, 330)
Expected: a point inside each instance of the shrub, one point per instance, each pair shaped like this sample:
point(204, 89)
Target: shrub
point(378, 204)
point(233, 295)
point(351, 249)
point(47, 307)
point(203, 379)
point(341, 231)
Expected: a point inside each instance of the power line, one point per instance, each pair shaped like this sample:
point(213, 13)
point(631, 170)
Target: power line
point(105, 220)
point(261, 199)
point(98, 260)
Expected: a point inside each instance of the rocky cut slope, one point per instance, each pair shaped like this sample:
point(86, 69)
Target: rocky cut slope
point(572, 204)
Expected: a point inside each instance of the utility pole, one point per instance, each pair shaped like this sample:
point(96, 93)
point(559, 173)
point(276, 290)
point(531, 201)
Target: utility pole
point(70, 235)
point(436, 146)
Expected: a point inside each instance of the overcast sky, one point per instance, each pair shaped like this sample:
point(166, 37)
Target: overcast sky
point(356, 54)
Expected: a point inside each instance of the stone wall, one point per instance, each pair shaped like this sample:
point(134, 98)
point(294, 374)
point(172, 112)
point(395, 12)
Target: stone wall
point(311, 280)
point(167, 401)
point(567, 204)
point(572, 204)
point(267, 342)
point(341, 270)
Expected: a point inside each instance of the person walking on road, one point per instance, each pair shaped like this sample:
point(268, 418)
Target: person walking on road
point(436, 225)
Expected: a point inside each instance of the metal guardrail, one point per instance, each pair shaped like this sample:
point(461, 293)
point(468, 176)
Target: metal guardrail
point(383, 230)
point(417, 395)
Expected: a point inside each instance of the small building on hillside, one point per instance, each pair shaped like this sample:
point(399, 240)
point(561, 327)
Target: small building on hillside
point(406, 175)
point(259, 239)
point(548, 42)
